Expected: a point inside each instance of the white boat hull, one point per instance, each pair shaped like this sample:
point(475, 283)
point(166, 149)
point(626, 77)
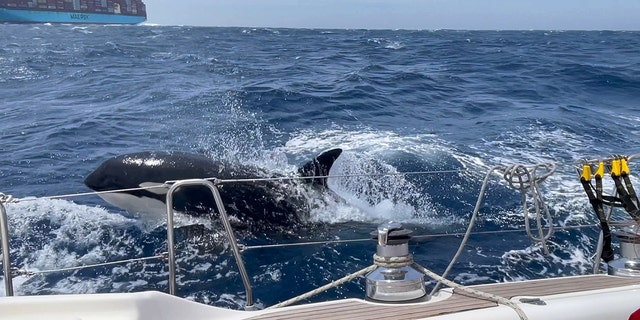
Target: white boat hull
point(616, 302)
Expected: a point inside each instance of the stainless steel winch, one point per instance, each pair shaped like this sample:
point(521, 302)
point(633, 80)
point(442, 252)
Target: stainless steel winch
point(395, 280)
point(629, 263)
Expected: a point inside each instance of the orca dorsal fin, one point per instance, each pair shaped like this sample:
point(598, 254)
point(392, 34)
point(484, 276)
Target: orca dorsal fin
point(320, 166)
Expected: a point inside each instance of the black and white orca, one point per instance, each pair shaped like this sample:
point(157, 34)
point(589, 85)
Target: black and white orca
point(281, 202)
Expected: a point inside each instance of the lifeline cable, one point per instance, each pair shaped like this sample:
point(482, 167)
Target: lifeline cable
point(10, 199)
point(24, 272)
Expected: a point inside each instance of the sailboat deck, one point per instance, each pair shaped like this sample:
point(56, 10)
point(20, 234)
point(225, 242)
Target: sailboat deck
point(458, 302)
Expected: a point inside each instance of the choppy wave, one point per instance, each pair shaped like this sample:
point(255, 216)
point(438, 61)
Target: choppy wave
point(446, 104)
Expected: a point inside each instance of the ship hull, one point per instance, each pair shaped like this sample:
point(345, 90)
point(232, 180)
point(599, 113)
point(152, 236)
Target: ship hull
point(39, 16)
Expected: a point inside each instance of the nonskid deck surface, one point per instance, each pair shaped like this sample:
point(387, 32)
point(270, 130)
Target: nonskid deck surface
point(354, 310)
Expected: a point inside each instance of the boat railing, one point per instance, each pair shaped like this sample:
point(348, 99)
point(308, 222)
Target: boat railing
point(518, 177)
point(227, 228)
point(9, 272)
point(4, 246)
point(211, 184)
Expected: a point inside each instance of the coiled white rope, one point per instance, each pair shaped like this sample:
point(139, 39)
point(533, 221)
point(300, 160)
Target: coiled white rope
point(392, 262)
point(510, 174)
point(523, 178)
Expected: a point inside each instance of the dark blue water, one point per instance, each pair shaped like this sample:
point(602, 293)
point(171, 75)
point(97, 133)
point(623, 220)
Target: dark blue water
point(395, 101)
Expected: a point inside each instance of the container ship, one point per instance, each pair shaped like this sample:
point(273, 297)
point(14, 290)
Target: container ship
point(73, 11)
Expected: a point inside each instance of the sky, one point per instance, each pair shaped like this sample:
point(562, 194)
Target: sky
point(401, 14)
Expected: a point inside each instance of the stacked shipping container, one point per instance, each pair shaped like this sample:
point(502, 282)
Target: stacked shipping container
point(124, 7)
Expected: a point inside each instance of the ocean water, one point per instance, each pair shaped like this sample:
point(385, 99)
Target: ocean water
point(450, 103)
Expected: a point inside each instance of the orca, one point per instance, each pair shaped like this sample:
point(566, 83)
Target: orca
point(281, 202)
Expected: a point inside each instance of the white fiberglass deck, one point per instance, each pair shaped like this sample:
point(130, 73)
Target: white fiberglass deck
point(584, 297)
